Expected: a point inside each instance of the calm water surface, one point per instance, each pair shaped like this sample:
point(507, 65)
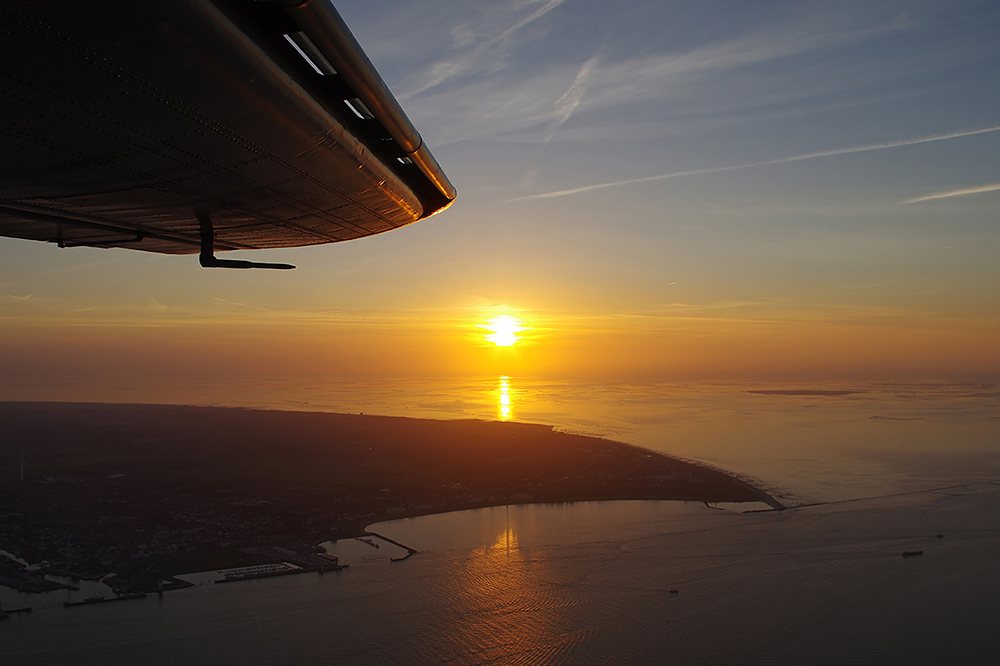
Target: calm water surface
point(623, 582)
point(807, 442)
point(591, 583)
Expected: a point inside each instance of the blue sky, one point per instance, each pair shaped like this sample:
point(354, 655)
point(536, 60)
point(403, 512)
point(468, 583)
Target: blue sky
point(521, 99)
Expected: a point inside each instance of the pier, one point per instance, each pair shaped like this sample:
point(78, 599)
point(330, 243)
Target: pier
point(5, 614)
point(104, 600)
point(409, 551)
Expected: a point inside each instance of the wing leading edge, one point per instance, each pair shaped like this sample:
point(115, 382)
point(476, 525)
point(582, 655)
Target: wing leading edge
point(132, 126)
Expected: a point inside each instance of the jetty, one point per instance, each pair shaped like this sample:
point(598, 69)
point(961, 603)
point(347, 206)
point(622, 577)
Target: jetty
point(409, 551)
point(5, 614)
point(89, 601)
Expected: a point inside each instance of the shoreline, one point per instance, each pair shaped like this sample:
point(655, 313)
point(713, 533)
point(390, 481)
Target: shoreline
point(774, 505)
point(179, 490)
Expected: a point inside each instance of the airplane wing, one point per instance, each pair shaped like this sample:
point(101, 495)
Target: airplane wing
point(201, 125)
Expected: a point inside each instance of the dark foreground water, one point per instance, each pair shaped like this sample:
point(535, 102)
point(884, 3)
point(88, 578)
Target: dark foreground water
point(636, 582)
point(590, 583)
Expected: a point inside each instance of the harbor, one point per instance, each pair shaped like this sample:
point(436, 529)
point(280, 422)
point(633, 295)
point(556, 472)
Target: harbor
point(293, 563)
point(409, 551)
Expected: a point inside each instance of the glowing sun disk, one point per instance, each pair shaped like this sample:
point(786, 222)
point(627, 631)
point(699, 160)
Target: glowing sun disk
point(504, 330)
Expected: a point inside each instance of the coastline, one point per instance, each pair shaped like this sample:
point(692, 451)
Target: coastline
point(184, 489)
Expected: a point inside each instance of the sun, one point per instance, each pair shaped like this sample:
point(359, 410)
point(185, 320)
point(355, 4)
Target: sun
point(504, 330)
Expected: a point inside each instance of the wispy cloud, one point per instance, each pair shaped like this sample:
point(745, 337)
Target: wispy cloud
point(514, 98)
point(445, 70)
point(242, 305)
point(954, 193)
point(783, 160)
point(570, 100)
point(563, 109)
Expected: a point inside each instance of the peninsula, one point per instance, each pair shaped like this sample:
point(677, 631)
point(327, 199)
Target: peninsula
point(150, 491)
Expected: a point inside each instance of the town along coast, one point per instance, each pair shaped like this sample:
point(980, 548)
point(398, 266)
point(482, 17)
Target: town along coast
point(151, 491)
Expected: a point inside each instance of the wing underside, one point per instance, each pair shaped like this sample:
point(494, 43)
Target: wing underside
point(122, 125)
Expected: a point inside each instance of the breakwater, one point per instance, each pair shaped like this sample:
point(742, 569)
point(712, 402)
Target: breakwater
point(409, 551)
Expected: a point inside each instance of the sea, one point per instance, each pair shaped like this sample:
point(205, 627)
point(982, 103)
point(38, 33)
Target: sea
point(869, 471)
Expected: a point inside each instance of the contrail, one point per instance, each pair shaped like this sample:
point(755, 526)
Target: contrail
point(567, 103)
point(563, 109)
point(955, 193)
point(782, 160)
point(445, 71)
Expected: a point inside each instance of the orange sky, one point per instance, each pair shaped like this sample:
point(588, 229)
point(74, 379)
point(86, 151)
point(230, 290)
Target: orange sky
point(748, 344)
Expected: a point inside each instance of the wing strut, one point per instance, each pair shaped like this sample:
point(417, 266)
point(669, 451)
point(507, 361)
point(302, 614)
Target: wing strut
point(207, 256)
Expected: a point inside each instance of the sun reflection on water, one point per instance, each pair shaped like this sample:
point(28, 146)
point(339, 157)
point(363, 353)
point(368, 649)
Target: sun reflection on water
point(504, 399)
point(505, 541)
point(503, 599)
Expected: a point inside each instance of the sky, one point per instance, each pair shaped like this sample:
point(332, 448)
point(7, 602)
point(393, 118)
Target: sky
point(659, 191)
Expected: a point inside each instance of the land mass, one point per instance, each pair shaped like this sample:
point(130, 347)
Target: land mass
point(806, 392)
point(150, 491)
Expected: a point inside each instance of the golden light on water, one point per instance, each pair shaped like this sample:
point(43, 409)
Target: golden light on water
point(504, 330)
point(504, 401)
point(506, 541)
point(501, 575)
